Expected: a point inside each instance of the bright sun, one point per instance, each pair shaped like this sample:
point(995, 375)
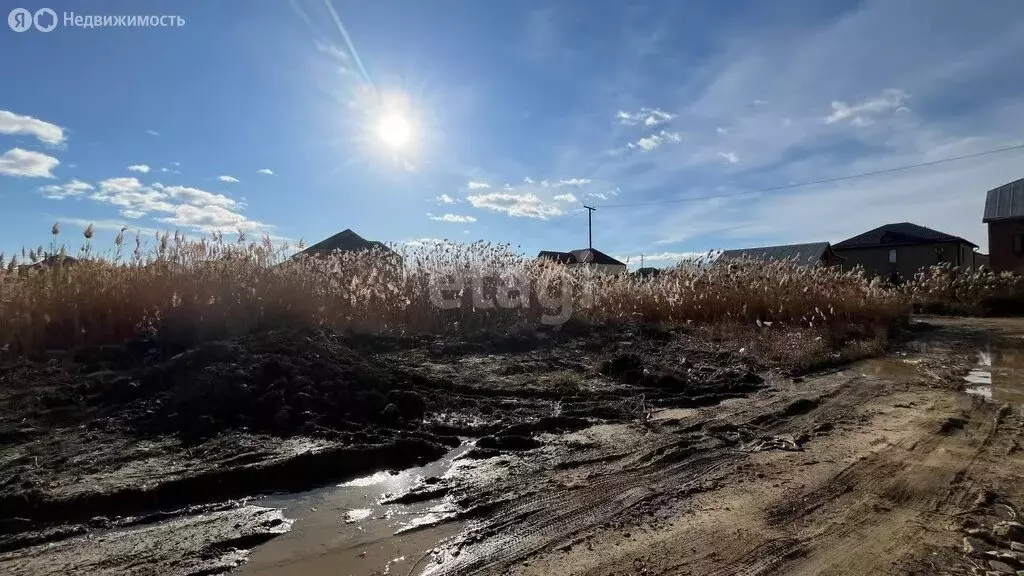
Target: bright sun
point(394, 130)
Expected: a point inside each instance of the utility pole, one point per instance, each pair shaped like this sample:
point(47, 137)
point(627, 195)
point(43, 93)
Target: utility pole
point(590, 227)
point(641, 260)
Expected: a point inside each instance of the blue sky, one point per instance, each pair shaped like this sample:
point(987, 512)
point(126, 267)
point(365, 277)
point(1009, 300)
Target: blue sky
point(518, 113)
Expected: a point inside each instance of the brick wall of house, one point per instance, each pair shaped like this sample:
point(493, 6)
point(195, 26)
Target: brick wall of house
point(909, 259)
point(1000, 245)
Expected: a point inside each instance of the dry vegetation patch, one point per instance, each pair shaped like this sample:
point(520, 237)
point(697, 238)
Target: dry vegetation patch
point(195, 290)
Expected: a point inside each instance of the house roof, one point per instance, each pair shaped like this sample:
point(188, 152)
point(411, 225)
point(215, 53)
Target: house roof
point(583, 256)
point(345, 241)
point(647, 271)
point(898, 234)
point(802, 254)
point(560, 257)
point(1006, 201)
point(591, 256)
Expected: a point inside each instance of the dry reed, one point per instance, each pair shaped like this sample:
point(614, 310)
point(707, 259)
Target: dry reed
point(212, 287)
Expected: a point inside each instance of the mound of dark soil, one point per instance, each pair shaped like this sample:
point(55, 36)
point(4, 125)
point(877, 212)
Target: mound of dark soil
point(680, 377)
point(280, 382)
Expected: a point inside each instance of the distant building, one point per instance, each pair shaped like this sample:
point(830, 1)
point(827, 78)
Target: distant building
point(346, 241)
point(813, 254)
point(901, 249)
point(49, 261)
point(589, 257)
point(647, 272)
point(1004, 214)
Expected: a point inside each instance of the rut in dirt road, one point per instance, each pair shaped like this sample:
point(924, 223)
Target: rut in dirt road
point(536, 522)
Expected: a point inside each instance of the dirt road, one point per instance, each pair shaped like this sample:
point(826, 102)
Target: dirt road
point(880, 468)
point(632, 454)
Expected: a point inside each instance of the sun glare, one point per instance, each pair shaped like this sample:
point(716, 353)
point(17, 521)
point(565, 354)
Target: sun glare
point(394, 130)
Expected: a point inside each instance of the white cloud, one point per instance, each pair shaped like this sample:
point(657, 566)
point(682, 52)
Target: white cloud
point(134, 199)
point(647, 116)
point(175, 163)
point(670, 257)
point(729, 157)
point(603, 195)
point(138, 168)
point(528, 180)
point(563, 182)
point(445, 199)
point(60, 191)
point(266, 171)
point(212, 219)
point(18, 125)
point(152, 132)
point(451, 218)
point(655, 140)
point(518, 205)
point(197, 197)
point(417, 242)
point(476, 185)
point(124, 184)
point(27, 164)
point(185, 206)
point(565, 198)
point(862, 113)
point(229, 179)
point(722, 130)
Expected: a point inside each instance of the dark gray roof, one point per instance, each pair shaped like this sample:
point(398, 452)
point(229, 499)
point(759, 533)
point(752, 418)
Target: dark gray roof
point(560, 257)
point(591, 256)
point(898, 234)
point(1006, 201)
point(583, 256)
point(802, 254)
point(345, 241)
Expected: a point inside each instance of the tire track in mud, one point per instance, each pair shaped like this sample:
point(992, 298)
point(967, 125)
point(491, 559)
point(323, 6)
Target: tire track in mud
point(536, 523)
point(541, 522)
point(884, 474)
point(870, 515)
point(526, 527)
point(764, 559)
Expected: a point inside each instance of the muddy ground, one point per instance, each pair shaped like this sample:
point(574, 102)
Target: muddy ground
point(628, 451)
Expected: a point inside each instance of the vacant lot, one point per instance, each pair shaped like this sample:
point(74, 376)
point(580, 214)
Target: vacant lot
point(145, 400)
point(628, 451)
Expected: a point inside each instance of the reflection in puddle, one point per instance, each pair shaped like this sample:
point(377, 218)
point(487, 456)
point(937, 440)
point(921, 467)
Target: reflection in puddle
point(980, 377)
point(347, 530)
point(358, 514)
point(890, 367)
point(434, 516)
point(998, 375)
point(378, 478)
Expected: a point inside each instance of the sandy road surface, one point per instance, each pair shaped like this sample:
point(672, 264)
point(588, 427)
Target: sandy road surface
point(880, 468)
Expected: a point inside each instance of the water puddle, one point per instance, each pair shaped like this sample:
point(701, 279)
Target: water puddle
point(895, 368)
point(998, 375)
point(345, 530)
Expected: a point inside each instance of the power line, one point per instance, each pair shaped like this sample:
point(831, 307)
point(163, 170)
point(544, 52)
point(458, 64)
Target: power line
point(813, 182)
